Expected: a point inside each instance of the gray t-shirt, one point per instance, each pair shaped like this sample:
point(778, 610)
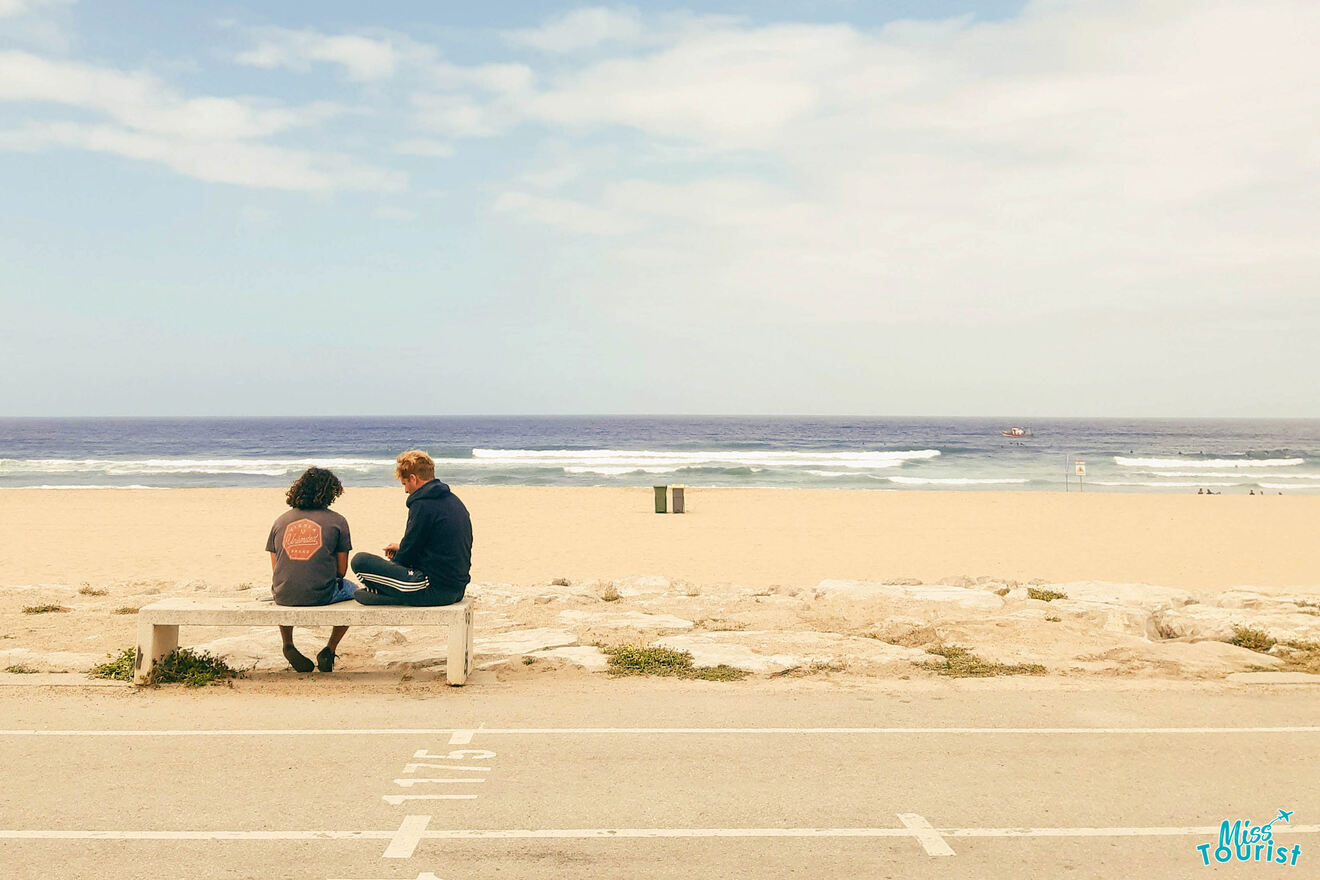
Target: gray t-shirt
point(305, 543)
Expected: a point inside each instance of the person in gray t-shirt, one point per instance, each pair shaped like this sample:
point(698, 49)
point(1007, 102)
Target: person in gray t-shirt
point(308, 549)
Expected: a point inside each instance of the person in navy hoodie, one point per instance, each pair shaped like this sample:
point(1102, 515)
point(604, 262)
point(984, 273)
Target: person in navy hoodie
point(431, 564)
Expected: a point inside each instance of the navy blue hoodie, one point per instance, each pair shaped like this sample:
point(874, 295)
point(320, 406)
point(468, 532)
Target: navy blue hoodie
point(438, 540)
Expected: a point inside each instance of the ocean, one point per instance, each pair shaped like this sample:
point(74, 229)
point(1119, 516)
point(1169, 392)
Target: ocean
point(1117, 455)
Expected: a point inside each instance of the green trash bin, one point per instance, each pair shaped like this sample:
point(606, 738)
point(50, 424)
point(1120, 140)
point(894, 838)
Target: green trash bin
point(661, 505)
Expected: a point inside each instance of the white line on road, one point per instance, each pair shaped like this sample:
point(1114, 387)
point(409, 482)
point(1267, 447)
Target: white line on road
point(395, 799)
point(708, 731)
point(591, 833)
point(927, 836)
point(416, 780)
point(405, 840)
point(461, 737)
point(412, 768)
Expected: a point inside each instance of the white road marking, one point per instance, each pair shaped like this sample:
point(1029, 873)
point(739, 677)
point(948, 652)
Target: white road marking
point(926, 835)
point(412, 768)
point(704, 731)
point(423, 876)
point(456, 755)
point(592, 833)
point(461, 737)
point(395, 799)
point(405, 840)
point(409, 783)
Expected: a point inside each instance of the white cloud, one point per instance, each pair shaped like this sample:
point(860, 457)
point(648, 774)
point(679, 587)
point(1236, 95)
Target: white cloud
point(208, 138)
point(15, 8)
point(1112, 153)
point(424, 147)
point(363, 58)
point(581, 29)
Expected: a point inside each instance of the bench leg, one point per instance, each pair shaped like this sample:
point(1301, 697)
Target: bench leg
point(459, 663)
point(154, 642)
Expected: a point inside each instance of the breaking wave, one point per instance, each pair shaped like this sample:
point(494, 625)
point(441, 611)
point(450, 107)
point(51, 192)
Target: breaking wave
point(1124, 461)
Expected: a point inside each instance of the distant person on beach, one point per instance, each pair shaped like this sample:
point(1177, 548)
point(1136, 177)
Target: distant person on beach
point(308, 549)
point(431, 564)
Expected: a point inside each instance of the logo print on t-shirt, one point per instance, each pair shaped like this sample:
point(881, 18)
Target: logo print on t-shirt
point(302, 538)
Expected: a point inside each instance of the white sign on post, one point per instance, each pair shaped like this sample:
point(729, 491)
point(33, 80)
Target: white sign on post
point(1081, 467)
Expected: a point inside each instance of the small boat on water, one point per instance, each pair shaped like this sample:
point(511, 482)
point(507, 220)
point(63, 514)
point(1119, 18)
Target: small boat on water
point(1017, 432)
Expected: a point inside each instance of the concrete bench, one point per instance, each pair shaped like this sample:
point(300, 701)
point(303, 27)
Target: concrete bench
point(159, 622)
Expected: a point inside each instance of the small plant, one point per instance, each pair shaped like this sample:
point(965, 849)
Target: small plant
point(191, 669)
point(89, 590)
point(528, 661)
point(719, 624)
point(20, 669)
point(634, 660)
point(1052, 619)
point(180, 666)
point(125, 609)
point(1252, 639)
point(44, 609)
point(1045, 595)
point(1002, 591)
point(118, 668)
point(246, 585)
point(1304, 656)
point(611, 593)
point(959, 662)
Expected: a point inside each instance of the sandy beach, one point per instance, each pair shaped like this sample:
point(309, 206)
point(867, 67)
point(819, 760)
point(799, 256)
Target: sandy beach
point(769, 580)
point(746, 536)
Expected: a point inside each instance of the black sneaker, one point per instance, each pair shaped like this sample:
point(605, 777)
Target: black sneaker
point(325, 660)
point(297, 660)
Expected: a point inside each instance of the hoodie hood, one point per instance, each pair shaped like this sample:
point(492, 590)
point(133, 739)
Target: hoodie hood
point(429, 491)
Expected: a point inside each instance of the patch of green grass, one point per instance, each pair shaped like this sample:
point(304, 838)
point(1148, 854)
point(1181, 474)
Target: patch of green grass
point(44, 609)
point(191, 669)
point(958, 662)
point(528, 661)
point(181, 666)
point(1252, 639)
point(118, 668)
point(1045, 595)
point(635, 660)
point(125, 609)
point(20, 669)
point(93, 591)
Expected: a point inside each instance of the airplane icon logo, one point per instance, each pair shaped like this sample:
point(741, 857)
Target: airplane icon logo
point(1285, 815)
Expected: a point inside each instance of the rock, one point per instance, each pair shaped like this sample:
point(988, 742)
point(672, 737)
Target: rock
point(903, 582)
point(256, 650)
point(961, 580)
point(1111, 618)
point(769, 651)
point(588, 657)
point(934, 596)
point(642, 585)
point(1146, 596)
point(523, 641)
point(623, 620)
point(1209, 622)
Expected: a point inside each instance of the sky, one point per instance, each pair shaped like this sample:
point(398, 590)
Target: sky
point(1049, 208)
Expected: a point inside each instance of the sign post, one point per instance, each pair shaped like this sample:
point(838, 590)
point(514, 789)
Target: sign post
point(1079, 469)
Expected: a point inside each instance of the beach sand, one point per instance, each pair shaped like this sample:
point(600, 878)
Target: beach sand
point(1150, 585)
point(747, 536)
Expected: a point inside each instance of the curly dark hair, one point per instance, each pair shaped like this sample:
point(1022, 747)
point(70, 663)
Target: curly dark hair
point(315, 490)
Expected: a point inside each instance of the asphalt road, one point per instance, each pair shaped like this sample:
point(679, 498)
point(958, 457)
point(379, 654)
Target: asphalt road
point(638, 779)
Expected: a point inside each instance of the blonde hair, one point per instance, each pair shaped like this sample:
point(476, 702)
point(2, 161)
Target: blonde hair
point(414, 462)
